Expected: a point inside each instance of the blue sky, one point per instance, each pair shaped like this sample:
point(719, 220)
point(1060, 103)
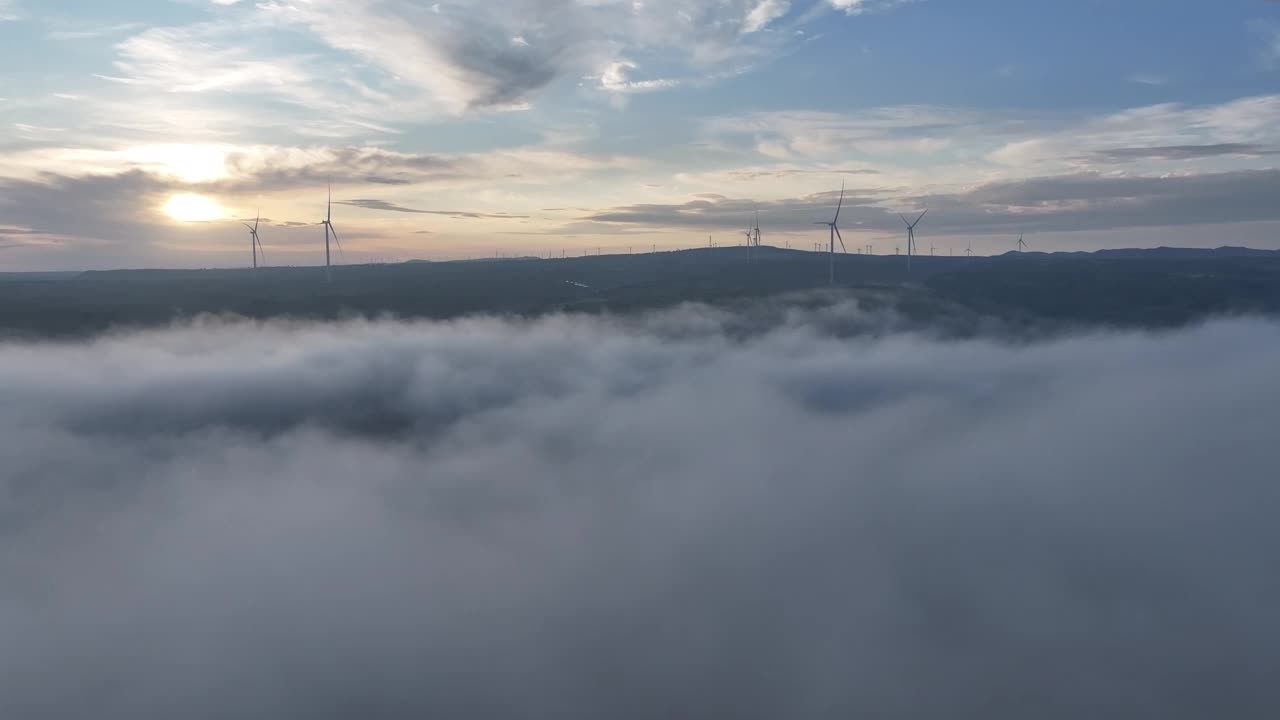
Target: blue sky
point(141, 134)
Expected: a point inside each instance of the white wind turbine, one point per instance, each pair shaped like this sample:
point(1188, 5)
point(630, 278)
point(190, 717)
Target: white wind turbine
point(328, 228)
point(911, 235)
point(835, 233)
point(255, 242)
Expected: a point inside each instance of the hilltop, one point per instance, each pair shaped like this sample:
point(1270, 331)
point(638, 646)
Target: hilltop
point(1144, 288)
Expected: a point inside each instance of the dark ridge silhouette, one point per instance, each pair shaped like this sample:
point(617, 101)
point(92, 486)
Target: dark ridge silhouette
point(1160, 287)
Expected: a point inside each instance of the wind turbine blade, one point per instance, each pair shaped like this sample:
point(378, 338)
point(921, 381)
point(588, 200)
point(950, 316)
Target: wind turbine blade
point(251, 229)
point(822, 223)
point(917, 222)
point(839, 205)
point(335, 239)
point(329, 212)
point(256, 219)
point(842, 247)
point(905, 221)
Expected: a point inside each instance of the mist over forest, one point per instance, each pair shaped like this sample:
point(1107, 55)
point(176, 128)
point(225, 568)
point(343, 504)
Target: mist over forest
point(810, 510)
point(639, 360)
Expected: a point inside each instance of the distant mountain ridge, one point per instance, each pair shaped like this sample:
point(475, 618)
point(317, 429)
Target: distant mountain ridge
point(1226, 251)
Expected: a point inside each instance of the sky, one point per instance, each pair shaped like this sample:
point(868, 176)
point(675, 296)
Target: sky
point(144, 134)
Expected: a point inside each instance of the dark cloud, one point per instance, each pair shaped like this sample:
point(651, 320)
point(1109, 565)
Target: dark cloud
point(556, 38)
point(98, 215)
point(97, 201)
point(1184, 152)
point(586, 518)
point(375, 204)
point(1066, 203)
point(1103, 202)
point(354, 165)
point(507, 74)
point(712, 211)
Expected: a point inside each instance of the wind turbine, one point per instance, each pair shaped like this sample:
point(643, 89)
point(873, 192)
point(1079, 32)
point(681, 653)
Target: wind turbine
point(968, 249)
point(756, 239)
point(911, 235)
point(1021, 244)
point(835, 233)
point(328, 228)
point(255, 242)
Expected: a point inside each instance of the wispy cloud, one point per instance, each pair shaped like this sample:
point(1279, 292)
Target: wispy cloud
point(97, 31)
point(374, 204)
point(764, 13)
point(857, 7)
point(1271, 45)
point(786, 172)
point(201, 58)
point(617, 78)
point(461, 56)
point(1238, 123)
point(1185, 152)
point(877, 131)
point(1149, 79)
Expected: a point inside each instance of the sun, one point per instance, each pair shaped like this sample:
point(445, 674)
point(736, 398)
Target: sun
point(193, 208)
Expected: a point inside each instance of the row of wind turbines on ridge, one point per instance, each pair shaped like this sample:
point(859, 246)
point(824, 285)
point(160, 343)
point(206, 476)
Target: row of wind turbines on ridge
point(834, 227)
point(256, 242)
point(753, 236)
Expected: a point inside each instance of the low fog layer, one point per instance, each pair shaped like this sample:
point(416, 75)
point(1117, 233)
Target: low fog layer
point(663, 517)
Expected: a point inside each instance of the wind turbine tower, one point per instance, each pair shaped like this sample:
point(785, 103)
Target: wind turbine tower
point(911, 235)
point(835, 233)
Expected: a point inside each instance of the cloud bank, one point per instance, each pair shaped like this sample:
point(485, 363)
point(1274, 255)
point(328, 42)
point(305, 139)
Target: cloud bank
point(713, 513)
